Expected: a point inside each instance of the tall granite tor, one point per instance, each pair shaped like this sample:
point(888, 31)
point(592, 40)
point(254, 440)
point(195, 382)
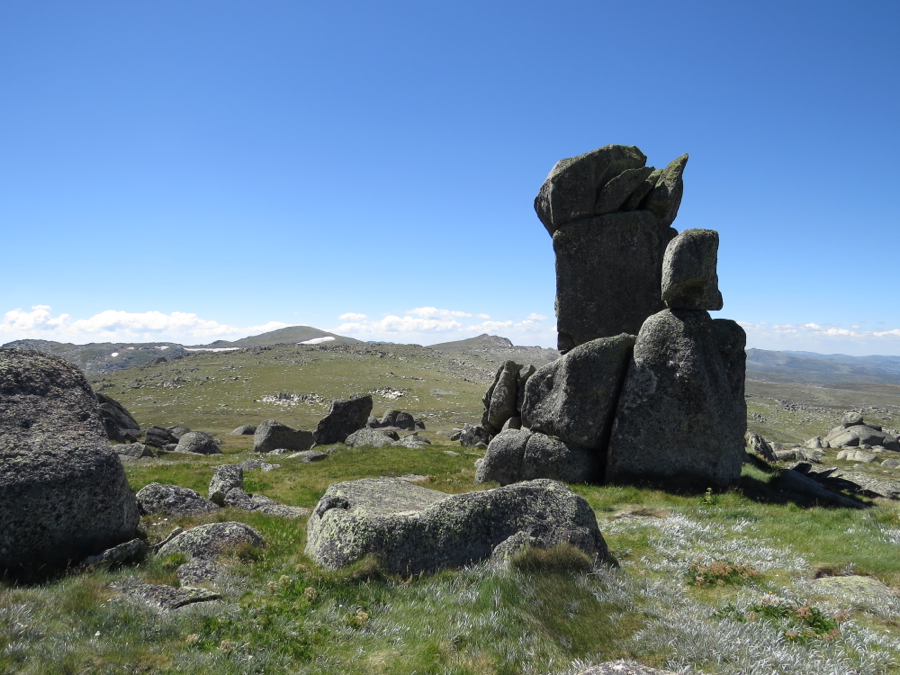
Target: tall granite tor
point(609, 216)
point(649, 387)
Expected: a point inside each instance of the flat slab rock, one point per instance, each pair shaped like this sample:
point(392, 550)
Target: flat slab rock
point(412, 529)
point(167, 597)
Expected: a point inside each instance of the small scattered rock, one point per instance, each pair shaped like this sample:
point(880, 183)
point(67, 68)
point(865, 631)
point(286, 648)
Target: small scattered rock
point(172, 500)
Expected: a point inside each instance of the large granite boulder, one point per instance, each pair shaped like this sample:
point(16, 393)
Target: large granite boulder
point(63, 492)
point(861, 434)
point(574, 397)
point(172, 500)
point(412, 529)
point(573, 188)
point(689, 278)
point(519, 454)
point(679, 418)
point(119, 424)
point(501, 397)
point(272, 435)
point(244, 430)
point(608, 275)
point(345, 415)
point(198, 443)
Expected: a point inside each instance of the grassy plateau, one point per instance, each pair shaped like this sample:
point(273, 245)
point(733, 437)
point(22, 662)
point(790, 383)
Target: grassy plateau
point(730, 582)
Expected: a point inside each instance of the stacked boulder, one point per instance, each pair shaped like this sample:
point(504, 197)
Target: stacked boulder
point(649, 386)
point(854, 432)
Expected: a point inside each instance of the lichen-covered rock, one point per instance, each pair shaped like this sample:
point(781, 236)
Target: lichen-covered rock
point(574, 397)
point(617, 191)
point(224, 479)
point(518, 455)
point(412, 529)
point(678, 417)
point(759, 446)
point(119, 424)
point(63, 492)
point(571, 190)
point(501, 397)
point(172, 500)
point(198, 443)
point(129, 451)
point(689, 278)
point(665, 198)
point(413, 441)
point(239, 499)
point(377, 438)
point(608, 275)
point(345, 415)
point(212, 540)
point(272, 435)
point(177, 431)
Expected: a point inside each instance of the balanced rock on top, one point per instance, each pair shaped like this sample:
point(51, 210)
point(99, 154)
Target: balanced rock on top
point(689, 279)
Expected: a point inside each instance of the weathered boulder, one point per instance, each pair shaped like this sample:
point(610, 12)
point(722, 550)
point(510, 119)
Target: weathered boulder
point(119, 424)
point(572, 189)
point(345, 415)
point(308, 456)
point(851, 419)
point(225, 478)
point(623, 668)
point(861, 434)
point(212, 540)
point(404, 420)
point(413, 441)
point(758, 445)
point(501, 397)
point(665, 198)
point(608, 275)
point(678, 417)
point(518, 455)
point(474, 435)
point(244, 430)
point(63, 492)
point(172, 500)
point(795, 481)
point(257, 503)
point(511, 423)
point(272, 435)
point(856, 455)
point(159, 437)
point(574, 397)
point(689, 278)
point(178, 431)
point(199, 443)
point(617, 191)
point(521, 382)
point(389, 418)
point(377, 438)
point(412, 529)
point(131, 451)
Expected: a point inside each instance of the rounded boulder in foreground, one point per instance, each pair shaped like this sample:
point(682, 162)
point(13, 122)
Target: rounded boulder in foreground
point(63, 492)
point(212, 540)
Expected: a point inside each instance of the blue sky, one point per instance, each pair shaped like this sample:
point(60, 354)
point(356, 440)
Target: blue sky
point(190, 171)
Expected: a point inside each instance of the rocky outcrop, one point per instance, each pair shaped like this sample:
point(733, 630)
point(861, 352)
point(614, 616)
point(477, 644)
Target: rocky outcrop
point(689, 279)
point(854, 433)
point(120, 426)
point(345, 415)
point(198, 443)
point(678, 417)
point(272, 435)
point(574, 397)
point(500, 400)
point(63, 492)
point(412, 529)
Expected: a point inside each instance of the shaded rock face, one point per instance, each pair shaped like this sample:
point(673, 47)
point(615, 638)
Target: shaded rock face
point(412, 529)
point(574, 397)
point(198, 443)
point(63, 492)
point(172, 500)
point(345, 415)
point(119, 424)
point(608, 275)
point(500, 400)
point(272, 435)
point(517, 455)
point(679, 417)
point(689, 279)
point(474, 435)
point(159, 437)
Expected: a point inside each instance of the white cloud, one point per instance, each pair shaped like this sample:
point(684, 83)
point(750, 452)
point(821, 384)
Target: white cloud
point(350, 316)
point(825, 339)
point(121, 326)
point(430, 325)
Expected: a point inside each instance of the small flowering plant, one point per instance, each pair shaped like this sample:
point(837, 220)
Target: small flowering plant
point(720, 573)
point(798, 622)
